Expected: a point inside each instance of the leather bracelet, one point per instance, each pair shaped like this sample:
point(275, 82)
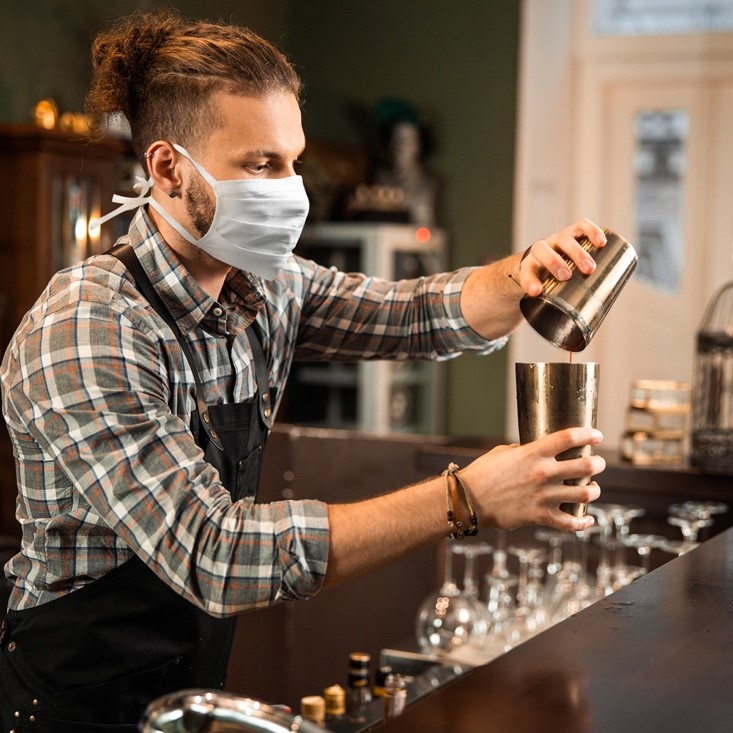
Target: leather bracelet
point(458, 530)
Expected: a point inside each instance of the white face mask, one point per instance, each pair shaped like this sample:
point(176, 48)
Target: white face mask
point(256, 225)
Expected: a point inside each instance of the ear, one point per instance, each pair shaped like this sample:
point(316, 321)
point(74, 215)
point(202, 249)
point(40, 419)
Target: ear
point(162, 161)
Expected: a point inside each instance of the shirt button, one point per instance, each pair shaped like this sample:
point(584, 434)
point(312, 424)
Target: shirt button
point(217, 311)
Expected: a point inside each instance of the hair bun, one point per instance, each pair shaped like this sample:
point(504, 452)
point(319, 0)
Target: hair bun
point(121, 59)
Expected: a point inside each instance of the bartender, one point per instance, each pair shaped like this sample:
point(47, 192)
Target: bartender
point(139, 390)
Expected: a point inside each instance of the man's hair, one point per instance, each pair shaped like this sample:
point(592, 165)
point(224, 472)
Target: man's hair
point(159, 70)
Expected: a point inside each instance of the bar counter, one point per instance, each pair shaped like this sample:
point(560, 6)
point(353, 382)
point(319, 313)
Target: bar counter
point(291, 650)
point(654, 657)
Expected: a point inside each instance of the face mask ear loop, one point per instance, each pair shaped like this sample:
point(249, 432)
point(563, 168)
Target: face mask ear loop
point(128, 203)
point(204, 173)
point(176, 225)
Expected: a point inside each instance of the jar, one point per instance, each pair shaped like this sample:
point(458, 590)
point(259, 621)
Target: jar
point(711, 444)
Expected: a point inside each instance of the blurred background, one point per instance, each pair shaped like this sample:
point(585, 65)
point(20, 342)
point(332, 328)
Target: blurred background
point(536, 113)
point(529, 114)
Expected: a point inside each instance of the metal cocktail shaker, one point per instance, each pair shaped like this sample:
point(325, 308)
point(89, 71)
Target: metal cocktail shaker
point(568, 313)
point(554, 396)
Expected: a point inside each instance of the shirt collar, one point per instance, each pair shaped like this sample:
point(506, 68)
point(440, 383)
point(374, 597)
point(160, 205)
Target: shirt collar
point(187, 301)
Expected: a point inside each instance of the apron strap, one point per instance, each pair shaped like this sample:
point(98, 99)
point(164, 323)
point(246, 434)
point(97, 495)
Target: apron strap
point(126, 254)
point(264, 401)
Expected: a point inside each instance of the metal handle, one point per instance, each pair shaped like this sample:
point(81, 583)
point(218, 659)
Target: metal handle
point(212, 711)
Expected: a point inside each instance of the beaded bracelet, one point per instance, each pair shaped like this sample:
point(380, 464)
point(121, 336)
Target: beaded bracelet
point(458, 531)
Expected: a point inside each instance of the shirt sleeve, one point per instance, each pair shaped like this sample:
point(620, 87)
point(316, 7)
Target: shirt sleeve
point(86, 394)
point(347, 316)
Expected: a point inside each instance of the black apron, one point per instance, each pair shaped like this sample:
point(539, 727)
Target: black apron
point(93, 659)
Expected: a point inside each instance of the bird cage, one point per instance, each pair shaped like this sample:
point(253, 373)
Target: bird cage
point(711, 442)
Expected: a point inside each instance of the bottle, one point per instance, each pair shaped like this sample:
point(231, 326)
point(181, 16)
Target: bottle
point(359, 691)
point(379, 678)
point(335, 703)
point(395, 695)
point(313, 707)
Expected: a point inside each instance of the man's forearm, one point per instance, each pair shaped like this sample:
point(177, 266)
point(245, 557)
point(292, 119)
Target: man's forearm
point(490, 298)
point(508, 487)
point(368, 534)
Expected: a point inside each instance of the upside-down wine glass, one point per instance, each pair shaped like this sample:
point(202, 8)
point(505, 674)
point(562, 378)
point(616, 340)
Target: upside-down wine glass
point(529, 614)
point(690, 517)
point(449, 618)
point(643, 544)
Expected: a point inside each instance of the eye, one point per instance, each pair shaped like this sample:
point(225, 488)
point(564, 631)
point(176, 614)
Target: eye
point(257, 168)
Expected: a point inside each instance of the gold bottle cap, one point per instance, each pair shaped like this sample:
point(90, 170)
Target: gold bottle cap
point(313, 707)
point(335, 698)
point(360, 657)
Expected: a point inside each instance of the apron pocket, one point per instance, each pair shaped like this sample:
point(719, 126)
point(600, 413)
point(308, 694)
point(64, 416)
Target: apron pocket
point(248, 475)
point(119, 703)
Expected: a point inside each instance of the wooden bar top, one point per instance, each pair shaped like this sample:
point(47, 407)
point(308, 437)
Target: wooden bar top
point(654, 657)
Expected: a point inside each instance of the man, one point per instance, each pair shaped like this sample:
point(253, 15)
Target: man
point(139, 389)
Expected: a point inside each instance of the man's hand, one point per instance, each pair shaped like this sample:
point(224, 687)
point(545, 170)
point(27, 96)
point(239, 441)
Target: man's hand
point(547, 255)
point(491, 294)
point(515, 485)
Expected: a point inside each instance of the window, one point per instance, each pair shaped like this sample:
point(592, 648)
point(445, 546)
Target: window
point(661, 17)
point(659, 170)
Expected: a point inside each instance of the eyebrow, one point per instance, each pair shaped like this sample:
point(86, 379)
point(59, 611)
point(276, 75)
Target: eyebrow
point(268, 154)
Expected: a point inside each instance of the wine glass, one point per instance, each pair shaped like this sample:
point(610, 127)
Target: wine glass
point(617, 520)
point(475, 650)
point(529, 614)
point(690, 517)
point(573, 591)
point(604, 575)
point(621, 515)
point(450, 619)
point(501, 619)
point(555, 539)
point(471, 551)
point(496, 579)
point(643, 544)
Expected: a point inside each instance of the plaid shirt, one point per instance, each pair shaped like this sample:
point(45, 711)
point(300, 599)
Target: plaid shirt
point(98, 397)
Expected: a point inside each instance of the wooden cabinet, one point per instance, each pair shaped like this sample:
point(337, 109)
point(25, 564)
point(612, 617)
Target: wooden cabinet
point(51, 184)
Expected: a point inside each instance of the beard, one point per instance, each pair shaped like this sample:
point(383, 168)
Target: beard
point(199, 207)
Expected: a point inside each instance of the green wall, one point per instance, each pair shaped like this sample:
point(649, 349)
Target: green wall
point(456, 61)
point(45, 48)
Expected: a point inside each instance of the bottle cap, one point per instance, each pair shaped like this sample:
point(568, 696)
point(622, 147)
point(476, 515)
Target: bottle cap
point(360, 659)
point(313, 707)
point(335, 700)
point(379, 679)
